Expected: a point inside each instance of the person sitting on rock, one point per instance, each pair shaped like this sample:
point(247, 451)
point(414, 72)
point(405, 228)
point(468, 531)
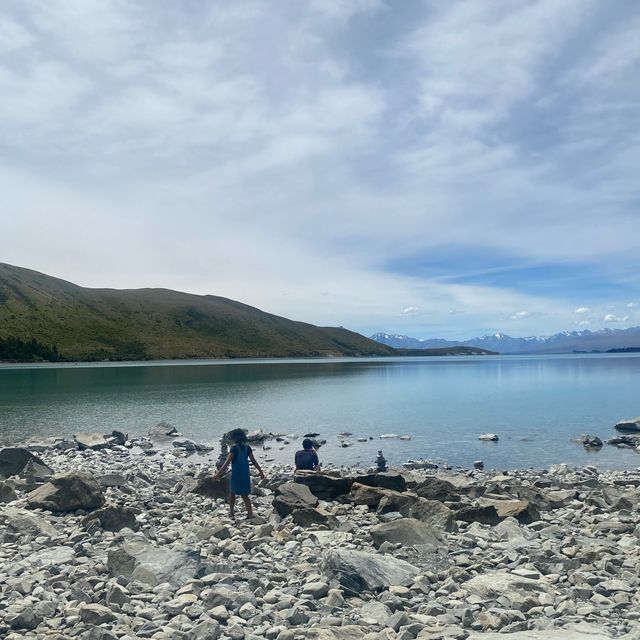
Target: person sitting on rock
point(307, 458)
point(239, 457)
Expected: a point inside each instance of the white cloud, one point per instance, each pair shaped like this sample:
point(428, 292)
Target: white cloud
point(610, 317)
point(519, 315)
point(410, 311)
point(632, 305)
point(582, 310)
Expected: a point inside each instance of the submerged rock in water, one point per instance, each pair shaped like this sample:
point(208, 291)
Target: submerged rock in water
point(632, 425)
point(489, 437)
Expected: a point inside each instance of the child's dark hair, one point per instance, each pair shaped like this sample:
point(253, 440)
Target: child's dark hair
point(237, 436)
point(307, 444)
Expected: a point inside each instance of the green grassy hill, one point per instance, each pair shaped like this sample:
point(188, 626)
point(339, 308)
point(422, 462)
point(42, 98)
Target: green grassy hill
point(101, 324)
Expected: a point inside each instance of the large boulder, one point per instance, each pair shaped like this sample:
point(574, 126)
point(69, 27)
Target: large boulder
point(371, 496)
point(437, 489)
point(523, 511)
point(580, 631)
point(407, 532)
point(324, 486)
point(359, 571)
point(291, 496)
point(113, 518)
point(68, 492)
point(137, 559)
point(433, 513)
point(211, 488)
point(482, 514)
point(384, 480)
point(93, 441)
point(346, 632)
point(314, 517)
point(14, 460)
point(163, 432)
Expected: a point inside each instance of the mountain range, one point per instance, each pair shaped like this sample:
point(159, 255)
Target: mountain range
point(45, 318)
point(564, 342)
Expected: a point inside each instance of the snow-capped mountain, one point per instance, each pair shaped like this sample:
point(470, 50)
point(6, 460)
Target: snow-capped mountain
point(564, 342)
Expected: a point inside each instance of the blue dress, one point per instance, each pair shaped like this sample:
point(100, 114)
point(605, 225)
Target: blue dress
point(240, 477)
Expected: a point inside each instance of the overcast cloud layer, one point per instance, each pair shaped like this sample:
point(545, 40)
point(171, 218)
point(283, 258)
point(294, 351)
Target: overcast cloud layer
point(429, 168)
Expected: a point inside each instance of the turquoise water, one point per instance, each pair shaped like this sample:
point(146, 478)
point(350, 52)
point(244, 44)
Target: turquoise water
point(536, 404)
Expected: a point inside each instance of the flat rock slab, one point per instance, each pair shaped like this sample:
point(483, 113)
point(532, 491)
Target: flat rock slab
point(408, 532)
point(359, 571)
point(582, 631)
point(24, 524)
point(68, 492)
point(522, 592)
point(94, 441)
point(348, 632)
point(136, 559)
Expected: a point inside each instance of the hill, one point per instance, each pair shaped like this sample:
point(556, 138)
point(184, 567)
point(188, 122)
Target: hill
point(79, 323)
point(446, 351)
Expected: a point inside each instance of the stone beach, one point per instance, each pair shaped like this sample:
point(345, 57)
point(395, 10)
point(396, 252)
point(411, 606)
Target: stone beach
point(109, 538)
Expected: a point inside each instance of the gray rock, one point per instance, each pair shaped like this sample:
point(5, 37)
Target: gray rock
point(313, 517)
point(522, 592)
point(13, 461)
point(93, 441)
point(631, 425)
point(24, 524)
point(7, 494)
point(324, 486)
point(114, 518)
point(137, 559)
point(211, 488)
point(407, 532)
point(96, 614)
point(347, 632)
point(437, 489)
point(68, 492)
point(383, 480)
point(291, 496)
point(359, 571)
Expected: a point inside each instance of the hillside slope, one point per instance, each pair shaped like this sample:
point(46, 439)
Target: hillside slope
point(89, 324)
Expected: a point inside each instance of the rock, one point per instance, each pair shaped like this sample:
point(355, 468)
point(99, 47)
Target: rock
point(488, 437)
point(522, 592)
point(312, 517)
point(316, 589)
point(24, 524)
point(347, 632)
point(96, 614)
point(590, 441)
point(433, 513)
point(25, 618)
point(68, 492)
point(523, 511)
point(291, 496)
point(483, 515)
point(112, 480)
point(359, 571)
point(581, 631)
point(631, 425)
point(7, 494)
point(383, 480)
point(407, 532)
point(478, 464)
point(13, 461)
point(437, 489)
point(324, 486)
point(163, 432)
point(93, 441)
point(114, 518)
point(211, 488)
point(371, 496)
point(139, 560)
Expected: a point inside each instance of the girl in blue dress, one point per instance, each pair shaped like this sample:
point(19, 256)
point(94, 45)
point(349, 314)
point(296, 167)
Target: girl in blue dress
point(239, 457)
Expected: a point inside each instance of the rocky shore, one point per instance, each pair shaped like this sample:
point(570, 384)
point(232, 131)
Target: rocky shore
point(104, 542)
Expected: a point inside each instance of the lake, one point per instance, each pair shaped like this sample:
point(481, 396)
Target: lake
point(536, 404)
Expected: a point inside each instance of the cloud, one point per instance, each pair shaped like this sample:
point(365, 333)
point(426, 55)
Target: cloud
point(582, 310)
point(632, 305)
point(409, 311)
point(252, 149)
point(610, 317)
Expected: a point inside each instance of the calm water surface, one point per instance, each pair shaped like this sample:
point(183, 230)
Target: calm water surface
point(536, 404)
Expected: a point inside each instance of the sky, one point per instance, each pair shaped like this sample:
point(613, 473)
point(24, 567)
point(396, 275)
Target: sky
point(429, 168)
